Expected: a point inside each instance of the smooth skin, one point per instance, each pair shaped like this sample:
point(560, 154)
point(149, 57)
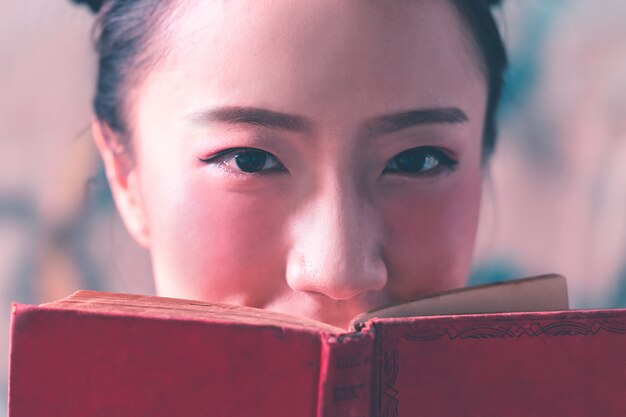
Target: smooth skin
point(319, 158)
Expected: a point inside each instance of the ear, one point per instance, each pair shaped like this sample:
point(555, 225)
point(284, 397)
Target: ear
point(123, 181)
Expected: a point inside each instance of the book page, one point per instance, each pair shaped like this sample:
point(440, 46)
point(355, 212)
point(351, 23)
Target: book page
point(541, 293)
point(167, 307)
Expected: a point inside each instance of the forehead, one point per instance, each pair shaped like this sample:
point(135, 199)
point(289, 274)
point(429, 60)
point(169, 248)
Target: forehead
point(311, 53)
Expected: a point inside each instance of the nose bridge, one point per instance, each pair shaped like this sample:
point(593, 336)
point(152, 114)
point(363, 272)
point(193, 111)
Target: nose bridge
point(336, 244)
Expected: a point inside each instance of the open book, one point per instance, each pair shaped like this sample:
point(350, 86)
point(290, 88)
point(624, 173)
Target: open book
point(510, 349)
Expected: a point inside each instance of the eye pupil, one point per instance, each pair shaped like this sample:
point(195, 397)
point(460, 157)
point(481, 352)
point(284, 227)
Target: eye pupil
point(412, 160)
point(251, 161)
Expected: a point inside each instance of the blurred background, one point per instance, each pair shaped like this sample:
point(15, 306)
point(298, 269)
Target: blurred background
point(555, 195)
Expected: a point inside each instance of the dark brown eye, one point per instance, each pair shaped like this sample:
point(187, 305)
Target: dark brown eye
point(246, 160)
point(422, 160)
point(251, 161)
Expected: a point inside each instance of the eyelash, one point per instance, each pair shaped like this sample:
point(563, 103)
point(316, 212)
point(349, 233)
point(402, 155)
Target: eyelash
point(433, 159)
point(222, 158)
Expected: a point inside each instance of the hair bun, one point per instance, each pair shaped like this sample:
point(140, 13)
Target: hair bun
point(94, 5)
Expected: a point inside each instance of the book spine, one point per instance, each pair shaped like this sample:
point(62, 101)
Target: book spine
point(345, 387)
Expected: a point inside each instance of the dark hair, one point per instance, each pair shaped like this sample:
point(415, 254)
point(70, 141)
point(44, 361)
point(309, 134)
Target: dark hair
point(126, 26)
point(482, 25)
point(123, 31)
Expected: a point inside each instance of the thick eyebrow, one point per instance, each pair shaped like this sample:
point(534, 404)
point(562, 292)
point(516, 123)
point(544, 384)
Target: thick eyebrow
point(378, 126)
point(256, 117)
point(391, 123)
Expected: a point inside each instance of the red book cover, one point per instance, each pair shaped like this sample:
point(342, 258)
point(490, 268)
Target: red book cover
point(557, 364)
point(164, 357)
point(168, 357)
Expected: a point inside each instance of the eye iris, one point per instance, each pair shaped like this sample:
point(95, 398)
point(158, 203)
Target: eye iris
point(251, 161)
point(412, 161)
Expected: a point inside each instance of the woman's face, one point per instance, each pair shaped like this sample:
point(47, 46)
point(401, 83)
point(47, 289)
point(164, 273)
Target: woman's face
point(318, 158)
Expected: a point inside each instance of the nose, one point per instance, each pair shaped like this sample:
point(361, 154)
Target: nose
point(336, 246)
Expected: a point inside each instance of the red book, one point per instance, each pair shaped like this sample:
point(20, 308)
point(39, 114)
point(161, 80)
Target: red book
point(107, 354)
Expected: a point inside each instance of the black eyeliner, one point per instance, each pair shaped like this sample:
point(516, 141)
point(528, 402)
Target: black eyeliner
point(223, 153)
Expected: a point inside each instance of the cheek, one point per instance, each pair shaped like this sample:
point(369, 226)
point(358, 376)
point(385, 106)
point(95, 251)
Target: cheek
point(430, 237)
point(216, 245)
